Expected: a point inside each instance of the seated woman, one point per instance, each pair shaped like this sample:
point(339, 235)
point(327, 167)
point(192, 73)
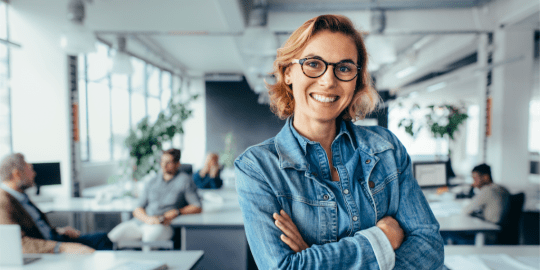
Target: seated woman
point(208, 176)
point(325, 193)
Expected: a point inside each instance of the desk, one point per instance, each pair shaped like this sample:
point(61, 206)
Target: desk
point(451, 219)
point(527, 255)
point(218, 230)
point(178, 260)
point(79, 206)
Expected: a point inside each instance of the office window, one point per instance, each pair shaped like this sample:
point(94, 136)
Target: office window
point(424, 144)
point(166, 90)
point(120, 115)
point(138, 98)
point(110, 105)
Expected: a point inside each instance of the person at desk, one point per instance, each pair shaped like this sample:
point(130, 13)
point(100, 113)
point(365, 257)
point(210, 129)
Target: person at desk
point(491, 201)
point(324, 192)
point(38, 236)
point(170, 194)
point(208, 176)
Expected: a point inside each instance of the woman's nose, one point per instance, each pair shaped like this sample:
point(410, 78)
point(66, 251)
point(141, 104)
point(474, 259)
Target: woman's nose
point(328, 79)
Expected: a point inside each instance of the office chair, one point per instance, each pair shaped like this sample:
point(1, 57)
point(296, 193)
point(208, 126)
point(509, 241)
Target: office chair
point(187, 168)
point(509, 234)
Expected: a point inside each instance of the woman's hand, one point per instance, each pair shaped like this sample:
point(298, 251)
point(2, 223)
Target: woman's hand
point(291, 236)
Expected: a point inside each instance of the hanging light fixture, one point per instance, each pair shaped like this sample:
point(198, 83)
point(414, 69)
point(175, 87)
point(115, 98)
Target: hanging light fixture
point(257, 38)
point(77, 39)
point(121, 62)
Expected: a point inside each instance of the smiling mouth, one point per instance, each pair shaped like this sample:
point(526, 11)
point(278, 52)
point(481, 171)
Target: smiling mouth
point(324, 99)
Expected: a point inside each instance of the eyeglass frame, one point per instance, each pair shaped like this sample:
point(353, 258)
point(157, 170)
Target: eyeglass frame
point(326, 64)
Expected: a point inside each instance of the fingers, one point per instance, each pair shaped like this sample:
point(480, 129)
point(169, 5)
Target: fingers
point(290, 243)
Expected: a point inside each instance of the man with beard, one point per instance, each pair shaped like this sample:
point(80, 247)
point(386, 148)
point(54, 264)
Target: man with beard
point(38, 236)
point(170, 194)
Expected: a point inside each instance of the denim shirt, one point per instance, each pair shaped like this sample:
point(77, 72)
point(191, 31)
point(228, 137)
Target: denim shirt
point(337, 219)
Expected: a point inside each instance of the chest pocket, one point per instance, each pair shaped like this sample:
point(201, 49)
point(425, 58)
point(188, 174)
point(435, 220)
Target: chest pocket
point(316, 220)
point(385, 192)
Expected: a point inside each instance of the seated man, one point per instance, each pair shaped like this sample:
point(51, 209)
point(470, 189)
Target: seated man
point(38, 236)
point(168, 195)
point(489, 203)
point(492, 199)
point(208, 176)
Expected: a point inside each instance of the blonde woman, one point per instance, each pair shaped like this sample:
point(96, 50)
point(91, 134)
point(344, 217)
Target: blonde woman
point(325, 193)
point(208, 177)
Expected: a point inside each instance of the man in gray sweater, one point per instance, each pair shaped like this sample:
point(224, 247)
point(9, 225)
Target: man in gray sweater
point(170, 194)
point(491, 201)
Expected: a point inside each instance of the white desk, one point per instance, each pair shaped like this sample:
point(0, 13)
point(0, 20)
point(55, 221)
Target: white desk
point(177, 260)
point(527, 256)
point(450, 217)
point(79, 206)
point(218, 230)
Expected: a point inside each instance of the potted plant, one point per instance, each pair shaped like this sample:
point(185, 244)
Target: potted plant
point(443, 121)
point(145, 141)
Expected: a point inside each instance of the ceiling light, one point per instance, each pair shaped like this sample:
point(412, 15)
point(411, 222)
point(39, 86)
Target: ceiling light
point(121, 62)
point(436, 86)
point(405, 72)
point(77, 39)
point(257, 38)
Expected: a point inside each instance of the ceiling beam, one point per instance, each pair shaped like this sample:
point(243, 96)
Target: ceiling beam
point(361, 5)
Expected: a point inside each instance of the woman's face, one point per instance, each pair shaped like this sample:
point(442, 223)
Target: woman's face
point(322, 99)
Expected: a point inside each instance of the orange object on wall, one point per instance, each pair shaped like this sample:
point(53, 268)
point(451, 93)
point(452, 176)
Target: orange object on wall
point(75, 121)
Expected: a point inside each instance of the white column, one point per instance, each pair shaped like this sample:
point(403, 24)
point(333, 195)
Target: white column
point(507, 147)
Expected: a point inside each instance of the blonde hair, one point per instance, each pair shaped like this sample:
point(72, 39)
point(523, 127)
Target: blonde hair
point(365, 98)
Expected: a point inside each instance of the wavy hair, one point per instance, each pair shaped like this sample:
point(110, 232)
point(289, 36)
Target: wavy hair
point(365, 97)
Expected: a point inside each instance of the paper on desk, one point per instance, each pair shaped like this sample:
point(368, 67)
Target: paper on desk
point(487, 262)
point(504, 262)
point(464, 263)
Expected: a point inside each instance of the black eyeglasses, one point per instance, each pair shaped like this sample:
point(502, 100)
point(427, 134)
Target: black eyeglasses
point(315, 67)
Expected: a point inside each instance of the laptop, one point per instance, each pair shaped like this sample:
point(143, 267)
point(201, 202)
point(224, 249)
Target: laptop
point(11, 247)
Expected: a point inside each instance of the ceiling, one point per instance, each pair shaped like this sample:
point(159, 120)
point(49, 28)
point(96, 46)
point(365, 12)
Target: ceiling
point(204, 37)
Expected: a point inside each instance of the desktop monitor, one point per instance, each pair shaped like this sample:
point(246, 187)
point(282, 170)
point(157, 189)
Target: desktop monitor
point(47, 174)
point(430, 174)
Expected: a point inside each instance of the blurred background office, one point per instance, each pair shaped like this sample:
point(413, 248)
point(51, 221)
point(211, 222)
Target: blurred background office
point(76, 77)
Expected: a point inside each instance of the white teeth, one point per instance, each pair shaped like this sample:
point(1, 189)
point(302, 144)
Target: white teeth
point(323, 99)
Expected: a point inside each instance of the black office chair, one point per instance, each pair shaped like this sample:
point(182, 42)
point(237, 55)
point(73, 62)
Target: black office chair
point(509, 234)
point(187, 168)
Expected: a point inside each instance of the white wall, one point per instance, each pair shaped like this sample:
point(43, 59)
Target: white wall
point(39, 88)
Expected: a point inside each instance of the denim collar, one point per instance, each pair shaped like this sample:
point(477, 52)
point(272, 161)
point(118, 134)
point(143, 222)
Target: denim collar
point(291, 146)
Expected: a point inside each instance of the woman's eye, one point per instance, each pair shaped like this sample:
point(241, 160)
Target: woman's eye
point(344, 69)
point(313, 64)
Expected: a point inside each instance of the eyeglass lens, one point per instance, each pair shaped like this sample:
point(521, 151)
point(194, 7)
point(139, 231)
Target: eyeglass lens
point(344, 71)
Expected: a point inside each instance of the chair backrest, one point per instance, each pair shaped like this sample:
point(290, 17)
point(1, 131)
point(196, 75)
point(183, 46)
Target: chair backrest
point(187, 168)
point(509, 234)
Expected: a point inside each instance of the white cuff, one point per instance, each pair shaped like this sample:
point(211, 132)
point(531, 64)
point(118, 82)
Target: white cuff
point(384, 253)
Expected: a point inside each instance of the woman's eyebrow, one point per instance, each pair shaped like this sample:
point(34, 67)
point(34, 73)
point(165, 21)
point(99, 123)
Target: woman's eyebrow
point(311, 55)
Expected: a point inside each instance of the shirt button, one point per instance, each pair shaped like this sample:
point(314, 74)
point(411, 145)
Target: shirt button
point(314, 174)
point(368, 161)
point(346, 191)
point(326, 197)
point(371, 184)
point(355, 218)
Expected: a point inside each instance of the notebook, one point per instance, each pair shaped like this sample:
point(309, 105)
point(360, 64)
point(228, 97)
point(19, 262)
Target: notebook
point(11, 247)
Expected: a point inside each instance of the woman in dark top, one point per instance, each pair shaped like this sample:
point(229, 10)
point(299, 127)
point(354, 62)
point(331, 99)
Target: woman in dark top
point(208, 176)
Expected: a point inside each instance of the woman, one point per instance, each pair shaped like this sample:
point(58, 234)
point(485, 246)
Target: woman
point(208, 176)
point(324, 193)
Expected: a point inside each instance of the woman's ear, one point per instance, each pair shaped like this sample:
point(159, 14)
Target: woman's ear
point(287, 75)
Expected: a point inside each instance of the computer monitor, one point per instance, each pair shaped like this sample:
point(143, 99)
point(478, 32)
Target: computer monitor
point(47, 174)
point(430, 174)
